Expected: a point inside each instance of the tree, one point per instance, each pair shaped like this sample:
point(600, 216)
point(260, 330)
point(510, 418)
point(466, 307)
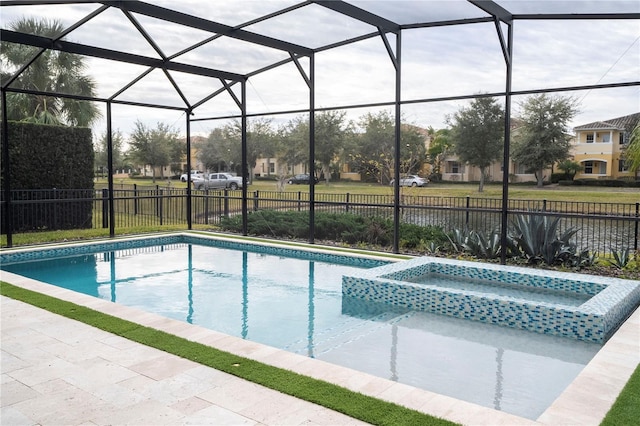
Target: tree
point(330, 133)
point(101, 156)
point(632, 152)
point(441, 145)
point(293, 142)
point(157, 147)
point(52, 71)
point(211, 151)
point(374, 153)
point(543, 138)
point(223, 147)
point(570, 167)
point(477, 134)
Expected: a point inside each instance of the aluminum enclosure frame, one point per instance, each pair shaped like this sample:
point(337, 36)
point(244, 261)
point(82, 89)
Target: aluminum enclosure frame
point(492, 12)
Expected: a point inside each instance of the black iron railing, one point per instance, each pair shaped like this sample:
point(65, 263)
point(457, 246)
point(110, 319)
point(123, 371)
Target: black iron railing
point(602, 227)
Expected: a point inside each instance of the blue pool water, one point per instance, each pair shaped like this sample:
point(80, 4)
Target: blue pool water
point(296, 304)
point(535, 295)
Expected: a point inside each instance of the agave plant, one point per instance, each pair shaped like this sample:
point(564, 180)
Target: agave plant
point(458, 238)
point(621, 258)
point(582, 258)
point(538, 239)
point(485, 247)
point(431, 247)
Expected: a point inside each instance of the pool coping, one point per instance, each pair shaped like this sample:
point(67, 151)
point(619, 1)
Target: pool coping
point(585, 401)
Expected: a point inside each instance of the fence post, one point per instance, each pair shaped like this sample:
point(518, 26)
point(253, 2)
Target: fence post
point(544, 205)
point(346, 208)
point(135, 199)
point(299, 200)
point(466, 214)
point(105, 208)
point(635, 240)
point(160, 196)
point(255, 201)
point(155, 200)
point(206, 206)
point(226, 202)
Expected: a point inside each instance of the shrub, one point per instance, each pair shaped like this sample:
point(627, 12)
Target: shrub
point(478, 244)
point(58, 162)
point(622, 258)
point(557, 177)
point(415, 236)
point(341, 227)
point(538, 239)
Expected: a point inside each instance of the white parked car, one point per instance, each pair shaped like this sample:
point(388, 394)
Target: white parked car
point(411, 180)
point(218, 181)
point(194, 175)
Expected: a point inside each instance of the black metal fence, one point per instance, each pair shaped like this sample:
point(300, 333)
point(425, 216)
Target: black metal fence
point(602, 227)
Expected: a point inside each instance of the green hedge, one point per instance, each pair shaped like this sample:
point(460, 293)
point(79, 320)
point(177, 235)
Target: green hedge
point(557, 177)
point(52, 160)
point(344, 227)
point(616, 183)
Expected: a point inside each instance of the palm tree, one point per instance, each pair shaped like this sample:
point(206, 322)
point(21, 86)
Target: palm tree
point(569, 167)
point(632, 151)
point(53, 72)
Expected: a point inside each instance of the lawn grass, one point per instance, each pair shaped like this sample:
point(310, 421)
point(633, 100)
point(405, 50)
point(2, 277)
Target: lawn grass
point(68, 235)
point(442, 189)
point(353, 404)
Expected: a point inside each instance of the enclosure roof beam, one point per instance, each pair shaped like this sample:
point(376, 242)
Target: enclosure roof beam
point(493, 9)
point(94, 99)
point(176, 17)
point(359, 14)
point(98, 52)
point(574, 16)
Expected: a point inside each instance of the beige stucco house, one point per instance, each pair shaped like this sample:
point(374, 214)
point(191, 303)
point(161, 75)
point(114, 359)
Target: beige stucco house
point(598, 147)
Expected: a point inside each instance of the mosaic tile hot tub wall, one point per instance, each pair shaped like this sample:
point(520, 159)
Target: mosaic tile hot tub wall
point(612, 299)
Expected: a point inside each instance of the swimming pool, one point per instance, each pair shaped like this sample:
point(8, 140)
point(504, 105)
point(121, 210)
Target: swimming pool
point(292, 299)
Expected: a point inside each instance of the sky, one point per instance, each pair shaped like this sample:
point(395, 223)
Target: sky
point(435, 62)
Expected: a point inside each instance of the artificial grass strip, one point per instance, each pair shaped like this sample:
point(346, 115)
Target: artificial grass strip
point(626, 408)
point(353, 404)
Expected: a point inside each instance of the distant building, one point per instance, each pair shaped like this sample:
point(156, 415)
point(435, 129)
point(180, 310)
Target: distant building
point(598, 147)
point(454, 170)
point(276, 167)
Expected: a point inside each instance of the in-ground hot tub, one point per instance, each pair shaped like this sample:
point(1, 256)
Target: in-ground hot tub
point(577, 306)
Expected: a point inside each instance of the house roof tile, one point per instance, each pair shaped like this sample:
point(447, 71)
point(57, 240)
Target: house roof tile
point(626, 123)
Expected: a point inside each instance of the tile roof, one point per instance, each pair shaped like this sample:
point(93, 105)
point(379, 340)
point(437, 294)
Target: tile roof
point(627, 123)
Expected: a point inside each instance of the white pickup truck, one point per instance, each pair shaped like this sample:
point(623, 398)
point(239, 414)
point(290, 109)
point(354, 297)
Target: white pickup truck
point(195, 174)
point(218, 181)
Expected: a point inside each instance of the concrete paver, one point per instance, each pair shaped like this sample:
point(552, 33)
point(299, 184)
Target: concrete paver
point(160, 388)
point(59, 371)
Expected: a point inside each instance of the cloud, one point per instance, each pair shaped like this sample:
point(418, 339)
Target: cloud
point(436, 62)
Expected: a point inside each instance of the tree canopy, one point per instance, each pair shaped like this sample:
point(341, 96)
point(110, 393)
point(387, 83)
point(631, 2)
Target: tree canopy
point(223, 149)
point(53, 71)
point(477, 134)
point(157, 147)
point(293, 142)
point(543, 138)
point(331, 130)
point(100, 150)
point(441, 145)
